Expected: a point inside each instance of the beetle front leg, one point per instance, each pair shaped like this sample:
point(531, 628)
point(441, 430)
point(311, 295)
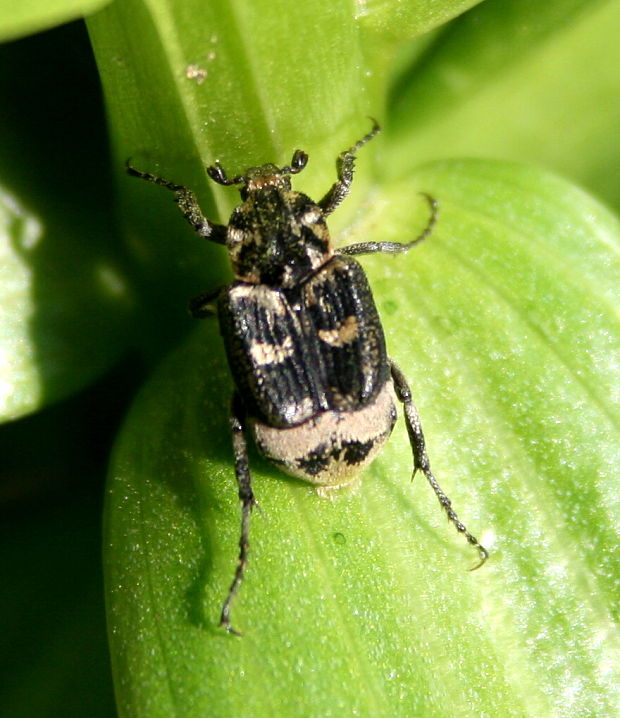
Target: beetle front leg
point(246, 496)
point(345, 166)
point(421, 461)
point(188, 204)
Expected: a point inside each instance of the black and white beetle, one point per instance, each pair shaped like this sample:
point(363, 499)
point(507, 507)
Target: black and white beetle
point(304, 341)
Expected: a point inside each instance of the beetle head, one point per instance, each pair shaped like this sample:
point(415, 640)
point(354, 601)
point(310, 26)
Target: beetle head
point(258, 178)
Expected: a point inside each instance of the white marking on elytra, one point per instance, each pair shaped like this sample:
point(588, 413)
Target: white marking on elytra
point(265, 353)
point(344, 333)
point(268, 299)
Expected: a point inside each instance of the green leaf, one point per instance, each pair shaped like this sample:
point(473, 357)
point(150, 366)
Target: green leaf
point(65, 296)
point(229, 102)
point(505, 324)
point(30, 16)
point(521, 80)
point(64, 306)
point(403, 21)
point(199, 88)
point(387, 25)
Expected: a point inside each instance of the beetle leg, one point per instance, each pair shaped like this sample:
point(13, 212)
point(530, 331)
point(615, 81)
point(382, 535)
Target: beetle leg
point(202, 305)
point(188, 204)
point(421, 461)
point(246, 496)
point(396, 247)
point(345, 166)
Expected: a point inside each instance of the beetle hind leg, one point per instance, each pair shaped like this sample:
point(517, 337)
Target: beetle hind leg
point(246, 496)
point(421, 461)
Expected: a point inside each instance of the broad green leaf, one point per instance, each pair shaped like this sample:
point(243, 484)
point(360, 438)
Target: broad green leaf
point(64, 306)
point(505, 323)
point(387, 25)
point(401, 21)
point(29, 16)
point(522, 80)
point(65, 296)
point(200, 84)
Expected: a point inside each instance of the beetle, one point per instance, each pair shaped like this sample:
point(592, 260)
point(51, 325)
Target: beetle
point(314, 385)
